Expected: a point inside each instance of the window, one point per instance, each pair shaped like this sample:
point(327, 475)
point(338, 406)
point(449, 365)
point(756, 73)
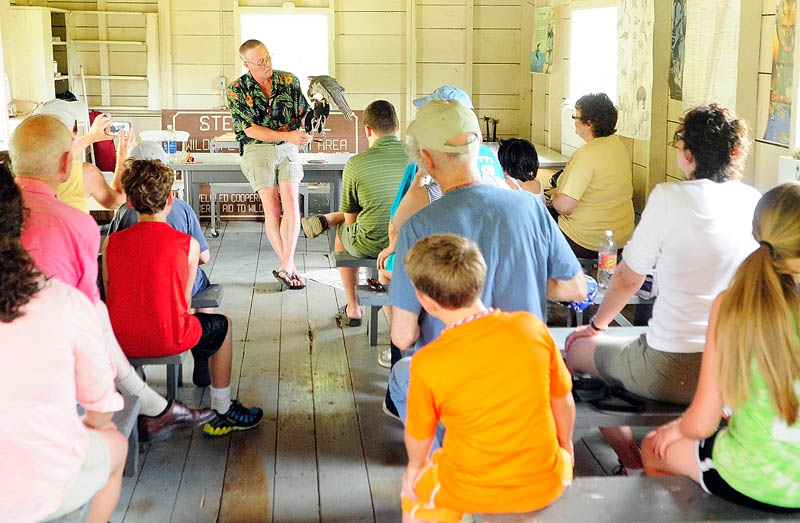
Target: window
point(593, 53)
point(5, 98)
point(297, 38)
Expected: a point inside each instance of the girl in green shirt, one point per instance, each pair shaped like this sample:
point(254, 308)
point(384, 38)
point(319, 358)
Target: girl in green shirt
point(751, 364)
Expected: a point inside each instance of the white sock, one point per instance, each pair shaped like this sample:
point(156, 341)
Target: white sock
point(220, 399)
point(153, 403)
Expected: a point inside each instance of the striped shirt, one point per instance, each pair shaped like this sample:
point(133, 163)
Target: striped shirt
point(369, 183)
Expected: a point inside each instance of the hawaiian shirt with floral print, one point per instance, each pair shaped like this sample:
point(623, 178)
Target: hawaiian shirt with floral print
point(284, 111)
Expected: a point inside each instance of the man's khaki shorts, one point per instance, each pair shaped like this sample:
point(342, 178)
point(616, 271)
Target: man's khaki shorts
point(92, 476)
point(657, 375)
point(267, 164)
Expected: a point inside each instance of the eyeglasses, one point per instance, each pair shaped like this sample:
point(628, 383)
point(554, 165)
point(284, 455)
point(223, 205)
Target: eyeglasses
point(261, 62)
point(677, 137)
point(375, 285)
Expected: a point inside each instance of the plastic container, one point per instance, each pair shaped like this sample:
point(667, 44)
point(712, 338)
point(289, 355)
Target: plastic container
point(606, 260)
point(170, 145)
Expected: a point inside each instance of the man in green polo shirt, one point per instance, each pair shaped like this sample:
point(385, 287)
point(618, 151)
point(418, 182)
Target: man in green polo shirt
point(369, 183)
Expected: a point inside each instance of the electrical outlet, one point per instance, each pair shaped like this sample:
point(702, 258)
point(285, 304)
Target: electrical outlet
point(221, 82)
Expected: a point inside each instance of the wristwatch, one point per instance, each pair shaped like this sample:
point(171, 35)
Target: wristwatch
point(594, 326)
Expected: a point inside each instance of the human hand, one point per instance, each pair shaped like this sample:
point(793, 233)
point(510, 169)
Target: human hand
point(584, 331)
point(665, 436)
point(98, 131)
point(569, 447)
point(410, 478)
point(385, 253)
point(127, 139)
point(298, 137)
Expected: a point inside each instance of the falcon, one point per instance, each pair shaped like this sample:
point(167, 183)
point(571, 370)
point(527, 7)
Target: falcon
point(325, 92)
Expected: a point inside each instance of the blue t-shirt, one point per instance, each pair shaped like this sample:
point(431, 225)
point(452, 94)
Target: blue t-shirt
point(518, 238)
point(181, 218)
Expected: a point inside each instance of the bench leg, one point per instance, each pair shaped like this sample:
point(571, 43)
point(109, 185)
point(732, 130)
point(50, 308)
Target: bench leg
point(132, 461)
point(373, 326)
point(172, 381)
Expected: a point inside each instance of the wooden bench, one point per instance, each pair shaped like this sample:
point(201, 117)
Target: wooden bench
point(588, 416)
point(208, 298)
point(375, 300)
point(612, 499)
point(174, 365)
point(345, 259)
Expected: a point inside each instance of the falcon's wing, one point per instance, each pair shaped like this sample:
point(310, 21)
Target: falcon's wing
point(333, 92)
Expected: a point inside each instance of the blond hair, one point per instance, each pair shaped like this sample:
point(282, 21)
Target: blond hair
point(147, 184)
point(38, 146)
point(448, 268)
point(248, 46)
point(759, 313)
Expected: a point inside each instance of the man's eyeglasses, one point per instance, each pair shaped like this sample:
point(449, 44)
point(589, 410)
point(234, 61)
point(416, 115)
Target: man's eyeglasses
point(261, 62)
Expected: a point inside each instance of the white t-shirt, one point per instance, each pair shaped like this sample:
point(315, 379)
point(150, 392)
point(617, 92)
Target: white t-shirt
point(696, 233)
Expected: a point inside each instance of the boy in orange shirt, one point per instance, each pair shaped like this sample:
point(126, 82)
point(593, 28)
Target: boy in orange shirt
point(497, 382)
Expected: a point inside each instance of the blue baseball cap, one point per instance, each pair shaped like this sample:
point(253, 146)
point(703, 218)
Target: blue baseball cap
point(446, 92)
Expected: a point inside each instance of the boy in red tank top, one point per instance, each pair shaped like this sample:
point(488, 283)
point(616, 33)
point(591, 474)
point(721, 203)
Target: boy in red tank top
point(148, 272)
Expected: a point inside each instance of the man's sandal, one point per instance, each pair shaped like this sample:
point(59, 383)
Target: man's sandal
point(284, 278)
point(344, 320)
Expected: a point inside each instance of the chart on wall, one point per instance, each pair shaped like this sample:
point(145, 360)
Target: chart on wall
point(780, 94)
point(677, 48)
point(634, 67)
point(711, 53)
point(544, 24)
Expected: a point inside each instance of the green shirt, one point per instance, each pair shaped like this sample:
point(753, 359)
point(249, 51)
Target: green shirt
point(369, 183)
point(284, 111)
point(758, 455)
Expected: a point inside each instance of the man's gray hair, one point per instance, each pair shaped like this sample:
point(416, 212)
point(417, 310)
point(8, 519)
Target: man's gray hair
point(38, 144)
point(247, 46)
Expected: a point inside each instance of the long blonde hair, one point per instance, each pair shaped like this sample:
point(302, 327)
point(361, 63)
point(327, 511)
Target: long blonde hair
point(759, 313)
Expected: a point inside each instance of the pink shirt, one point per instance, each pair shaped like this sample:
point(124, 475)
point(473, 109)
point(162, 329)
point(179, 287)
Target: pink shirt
point(63, 241)
point(53, 357)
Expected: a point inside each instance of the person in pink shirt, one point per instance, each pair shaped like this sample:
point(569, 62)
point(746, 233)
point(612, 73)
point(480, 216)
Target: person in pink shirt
point(64, 243)
point(54, 460)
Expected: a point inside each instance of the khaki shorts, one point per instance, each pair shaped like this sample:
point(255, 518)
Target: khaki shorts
point(267, 164)
point(92, 477)
point(347, 233)
point(635, 366)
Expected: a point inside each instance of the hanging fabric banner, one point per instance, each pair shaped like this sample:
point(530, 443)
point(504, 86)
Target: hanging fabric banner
point(675, 78)
point(635, 67)
point(544, 23)
point(780, 94)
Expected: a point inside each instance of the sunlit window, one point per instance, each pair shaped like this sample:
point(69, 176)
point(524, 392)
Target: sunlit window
point(593, 53)
point(297, 38)
point(5, 96)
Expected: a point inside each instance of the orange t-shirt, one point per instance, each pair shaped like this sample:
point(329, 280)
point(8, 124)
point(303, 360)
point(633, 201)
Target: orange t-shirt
point(490, 382)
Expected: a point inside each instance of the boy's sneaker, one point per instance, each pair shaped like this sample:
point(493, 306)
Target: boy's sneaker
point(390, 410)
point(238, 417)
point(313, 226)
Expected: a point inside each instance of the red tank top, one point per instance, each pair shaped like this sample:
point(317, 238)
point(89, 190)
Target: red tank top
point(146, 296)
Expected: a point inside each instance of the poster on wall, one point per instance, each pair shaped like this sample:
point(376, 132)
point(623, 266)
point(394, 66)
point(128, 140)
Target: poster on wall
point(780, 94)
point(675, 78)
point(544, 24)
point(711, 53)
point(634, 67)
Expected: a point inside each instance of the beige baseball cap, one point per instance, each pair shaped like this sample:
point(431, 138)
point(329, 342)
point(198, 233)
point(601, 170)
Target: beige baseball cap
point(439, 121)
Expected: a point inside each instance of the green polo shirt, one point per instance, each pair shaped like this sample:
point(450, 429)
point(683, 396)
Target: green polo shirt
point(369, 183)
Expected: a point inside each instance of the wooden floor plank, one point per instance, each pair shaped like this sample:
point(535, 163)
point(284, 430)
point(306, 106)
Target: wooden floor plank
point(344, 488)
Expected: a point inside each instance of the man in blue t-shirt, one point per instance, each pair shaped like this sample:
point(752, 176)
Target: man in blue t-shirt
point(528, 260)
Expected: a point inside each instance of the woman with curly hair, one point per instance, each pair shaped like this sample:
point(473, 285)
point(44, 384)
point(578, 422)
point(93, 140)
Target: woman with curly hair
point(53, 358)
point(695, 233)
point(751, 363)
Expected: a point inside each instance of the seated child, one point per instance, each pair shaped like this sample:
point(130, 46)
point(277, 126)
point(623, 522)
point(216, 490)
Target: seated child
point(751, 363)
point(53, 460)
point(497, 382)
point(520, 166)
point(149, 291)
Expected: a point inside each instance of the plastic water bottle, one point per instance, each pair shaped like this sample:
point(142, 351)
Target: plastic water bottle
point(606, 260)
point(170, 145)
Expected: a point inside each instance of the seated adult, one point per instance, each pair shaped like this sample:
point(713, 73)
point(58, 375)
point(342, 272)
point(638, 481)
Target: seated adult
point(149, 295)
point(520, 166)
point(528, 263)
point(751, 363)
point(369, 182)
point(181, 217)
point(695, 233)
point(506, 451)
point(594, 193)
point(85, 179)
point(54, 460)
point(64, 243)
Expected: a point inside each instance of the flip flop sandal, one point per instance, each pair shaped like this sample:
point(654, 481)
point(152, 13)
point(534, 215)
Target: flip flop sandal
point(344, 320)
point(298, 286)
point(284, 279)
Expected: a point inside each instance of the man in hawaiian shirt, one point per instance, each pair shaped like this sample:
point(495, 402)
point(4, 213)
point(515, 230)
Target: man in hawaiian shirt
point(268, 107)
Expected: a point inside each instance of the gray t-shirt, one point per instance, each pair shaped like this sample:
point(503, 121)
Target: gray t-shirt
point(522, 245)
point(182, 218)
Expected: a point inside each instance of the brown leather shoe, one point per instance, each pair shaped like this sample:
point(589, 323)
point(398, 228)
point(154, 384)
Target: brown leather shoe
point(177, 416)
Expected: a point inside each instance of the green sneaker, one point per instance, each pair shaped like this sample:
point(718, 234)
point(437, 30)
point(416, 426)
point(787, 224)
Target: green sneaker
point(313, 226)
point(238, 417)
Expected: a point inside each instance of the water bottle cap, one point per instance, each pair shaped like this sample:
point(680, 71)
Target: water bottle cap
point(609, 233)
point(169, 127)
